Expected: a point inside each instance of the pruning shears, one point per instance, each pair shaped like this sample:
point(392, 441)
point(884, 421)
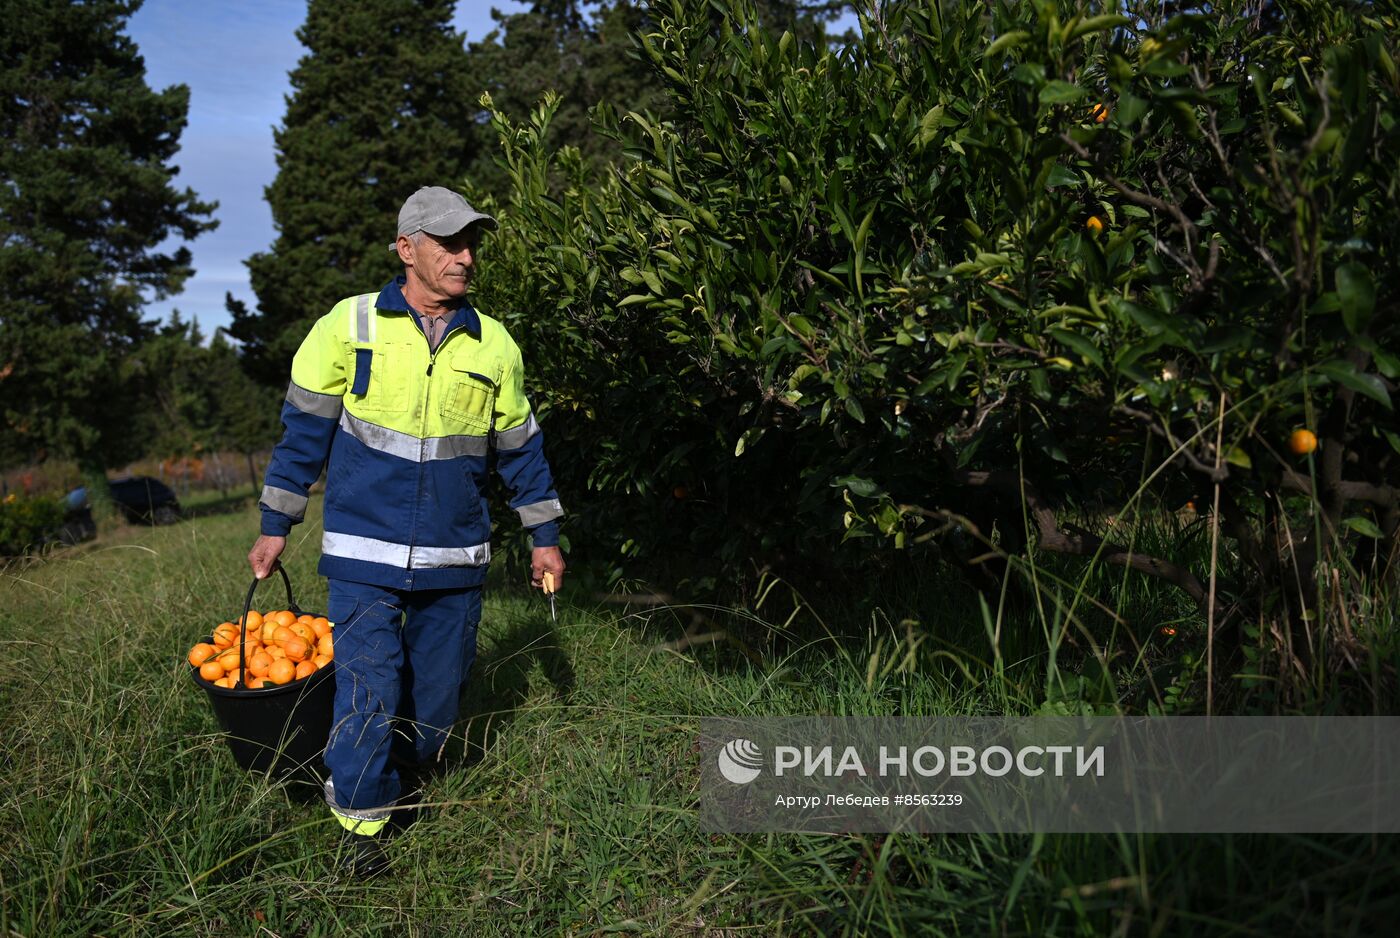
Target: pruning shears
point(549, 591)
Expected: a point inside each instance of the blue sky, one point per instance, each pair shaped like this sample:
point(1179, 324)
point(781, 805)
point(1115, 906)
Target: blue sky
point(235, 57)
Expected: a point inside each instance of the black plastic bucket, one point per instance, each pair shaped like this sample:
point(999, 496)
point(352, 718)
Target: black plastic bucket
point(280, 729)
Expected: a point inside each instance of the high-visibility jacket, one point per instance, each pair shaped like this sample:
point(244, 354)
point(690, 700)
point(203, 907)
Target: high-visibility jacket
point(405, 436)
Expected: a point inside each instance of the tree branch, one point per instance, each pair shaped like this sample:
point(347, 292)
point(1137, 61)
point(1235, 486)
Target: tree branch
point(1215, 474)
point(1382, 496)
point(1083, 544)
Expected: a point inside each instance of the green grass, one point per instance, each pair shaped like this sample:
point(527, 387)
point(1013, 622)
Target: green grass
point(569, 807)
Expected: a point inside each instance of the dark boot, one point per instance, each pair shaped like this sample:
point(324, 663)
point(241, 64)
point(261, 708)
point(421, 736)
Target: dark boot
point(362, 856)
point(361, 853)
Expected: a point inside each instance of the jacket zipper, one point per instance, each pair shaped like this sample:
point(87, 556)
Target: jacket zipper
point(422, 441)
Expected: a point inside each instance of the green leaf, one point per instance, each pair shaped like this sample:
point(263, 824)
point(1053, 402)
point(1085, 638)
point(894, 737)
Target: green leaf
point(928, 126)
point(1098, 23)
point(1387, 363)
point(1040, 384)
point(1130, 109)
point(1238, 457)
point(1006, 41)
point(1151, 322)
point(1079, 344)
point(1345, 374)
point(1061, 175)
point(1363, 526)
point(1357, 293)
point(748, 436)
point(1030, 74)
point(1060, 92)
point(862, 488)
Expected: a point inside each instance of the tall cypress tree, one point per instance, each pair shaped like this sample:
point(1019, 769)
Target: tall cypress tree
point(377, 109)
point(87, 201)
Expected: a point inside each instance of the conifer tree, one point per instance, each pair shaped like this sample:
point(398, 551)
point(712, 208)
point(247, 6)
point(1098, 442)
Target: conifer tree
point(378, 108)
point(87, 204)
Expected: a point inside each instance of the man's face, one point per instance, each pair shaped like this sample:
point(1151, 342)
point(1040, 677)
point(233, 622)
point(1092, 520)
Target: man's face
point(443, 265)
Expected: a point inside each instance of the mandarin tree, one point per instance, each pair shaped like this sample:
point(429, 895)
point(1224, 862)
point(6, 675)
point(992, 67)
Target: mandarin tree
point(993, 268)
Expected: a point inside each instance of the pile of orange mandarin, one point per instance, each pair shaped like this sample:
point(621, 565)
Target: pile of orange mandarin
point(281, 647)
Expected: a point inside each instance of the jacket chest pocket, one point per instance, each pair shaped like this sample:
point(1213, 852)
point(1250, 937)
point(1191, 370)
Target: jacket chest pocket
point(380, 382)
point(470, 395)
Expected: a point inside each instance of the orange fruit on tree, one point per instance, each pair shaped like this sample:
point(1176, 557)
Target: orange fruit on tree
point(211, 670)
point(1099, 113)
point(201, 653)
point(305, 669)
point(1094, 224)
point(1302, 441)
point(285, 618)
point(281, 672)
point(259, 663)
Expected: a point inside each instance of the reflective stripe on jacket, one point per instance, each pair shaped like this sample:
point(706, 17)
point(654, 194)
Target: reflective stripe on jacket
point(405, 435)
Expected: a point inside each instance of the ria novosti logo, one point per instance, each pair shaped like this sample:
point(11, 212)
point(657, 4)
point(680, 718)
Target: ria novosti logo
point(740, 761)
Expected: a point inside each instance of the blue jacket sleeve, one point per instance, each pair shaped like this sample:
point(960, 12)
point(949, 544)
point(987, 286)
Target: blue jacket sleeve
point(521, 463)
point(310, 414)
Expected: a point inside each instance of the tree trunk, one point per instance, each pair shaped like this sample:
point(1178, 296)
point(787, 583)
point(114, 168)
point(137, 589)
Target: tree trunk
point(253, 476)
point(220, 479)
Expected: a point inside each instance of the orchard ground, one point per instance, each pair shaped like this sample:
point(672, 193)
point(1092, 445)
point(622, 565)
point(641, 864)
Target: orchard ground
point(572, 812)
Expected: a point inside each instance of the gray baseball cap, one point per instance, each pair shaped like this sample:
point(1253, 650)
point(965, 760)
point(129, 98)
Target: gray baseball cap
point(440, 212)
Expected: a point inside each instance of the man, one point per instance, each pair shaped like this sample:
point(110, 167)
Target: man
point(404, 397)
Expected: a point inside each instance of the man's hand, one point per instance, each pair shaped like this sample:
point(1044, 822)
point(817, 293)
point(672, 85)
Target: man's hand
point(263, 557)
point(546, 560)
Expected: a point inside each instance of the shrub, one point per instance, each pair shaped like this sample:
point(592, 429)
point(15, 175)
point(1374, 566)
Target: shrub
point(988, 263)
point(27, 523)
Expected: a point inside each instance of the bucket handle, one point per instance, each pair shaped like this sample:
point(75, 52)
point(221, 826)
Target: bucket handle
point(292, 607)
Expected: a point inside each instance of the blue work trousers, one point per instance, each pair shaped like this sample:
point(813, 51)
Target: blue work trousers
point(401, 658)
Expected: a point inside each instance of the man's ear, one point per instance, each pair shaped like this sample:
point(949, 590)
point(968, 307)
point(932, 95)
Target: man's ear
point(404, 244)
